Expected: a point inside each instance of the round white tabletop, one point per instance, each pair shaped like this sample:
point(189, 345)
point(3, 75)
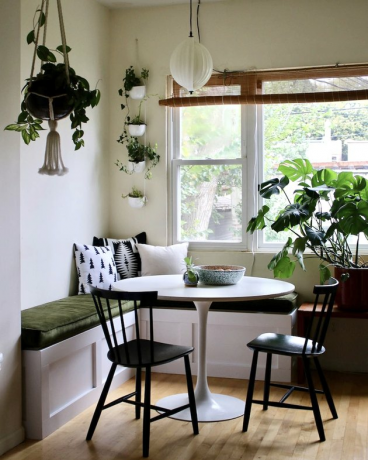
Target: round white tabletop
point(210, 407)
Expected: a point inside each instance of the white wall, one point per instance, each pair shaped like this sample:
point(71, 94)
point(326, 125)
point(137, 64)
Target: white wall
point(58, 211)
point(240, 34)
point(42, 216)
point(11, 431)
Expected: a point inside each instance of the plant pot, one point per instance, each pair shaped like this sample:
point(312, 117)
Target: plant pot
point(352, 294)
point(136, 202)
point(189, 283)
point(136, 130)
point(136, 167)
point(137, 92)
point(38, 101)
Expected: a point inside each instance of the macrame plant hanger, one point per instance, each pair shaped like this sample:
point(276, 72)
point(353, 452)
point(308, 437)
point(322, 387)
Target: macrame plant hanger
point(53, 163)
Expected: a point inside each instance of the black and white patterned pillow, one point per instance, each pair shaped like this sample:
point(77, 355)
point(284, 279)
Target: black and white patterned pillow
point(95, 267)
point(126, 255)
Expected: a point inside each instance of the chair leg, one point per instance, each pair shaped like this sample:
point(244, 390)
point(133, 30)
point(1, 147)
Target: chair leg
point(325, 388)
point(314, 401)
point(266, 391)
point(138, 390)
point(248, 402)
point(191, 397)
point(147, 413)
point(101, 402)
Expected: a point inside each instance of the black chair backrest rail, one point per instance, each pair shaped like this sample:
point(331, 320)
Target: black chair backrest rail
point(106, 318)
point(317, 330)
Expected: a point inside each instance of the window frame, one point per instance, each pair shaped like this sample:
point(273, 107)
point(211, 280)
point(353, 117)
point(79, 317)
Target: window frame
point(246, 160)
point(252, 136)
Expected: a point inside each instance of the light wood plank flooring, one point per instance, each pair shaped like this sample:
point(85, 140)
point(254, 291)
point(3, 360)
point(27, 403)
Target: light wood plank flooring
point(277, 434)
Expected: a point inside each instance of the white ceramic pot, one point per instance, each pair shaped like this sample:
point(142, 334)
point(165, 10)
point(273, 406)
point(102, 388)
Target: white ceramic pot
point(137, 92)
point(136, 130)
point(136, 202)
point(136, 167)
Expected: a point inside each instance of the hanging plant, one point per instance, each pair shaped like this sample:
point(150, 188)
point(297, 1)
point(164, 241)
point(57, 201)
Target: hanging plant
point(140, 155)
point(132, 81)
point(56, 91)
point(137, 153)
point(136, 198)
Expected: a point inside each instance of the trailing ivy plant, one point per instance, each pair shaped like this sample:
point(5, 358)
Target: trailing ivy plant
point(326, 210)
point(139, 152)
point(77, 90)
point(130, 80)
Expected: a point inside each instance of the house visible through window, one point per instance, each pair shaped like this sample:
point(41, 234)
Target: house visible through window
point(221, 150)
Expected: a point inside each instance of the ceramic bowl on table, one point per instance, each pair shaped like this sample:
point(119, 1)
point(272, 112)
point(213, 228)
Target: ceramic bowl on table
point(220, 274)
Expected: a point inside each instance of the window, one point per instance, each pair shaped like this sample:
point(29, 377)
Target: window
point(208, 173)
point(232, 136)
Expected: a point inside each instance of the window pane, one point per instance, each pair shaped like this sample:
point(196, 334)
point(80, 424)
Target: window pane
point(210, 203)
point(210, 132)
point(329, 135)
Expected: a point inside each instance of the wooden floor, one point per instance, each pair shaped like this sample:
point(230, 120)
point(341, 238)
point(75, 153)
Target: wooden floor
point(276, 434)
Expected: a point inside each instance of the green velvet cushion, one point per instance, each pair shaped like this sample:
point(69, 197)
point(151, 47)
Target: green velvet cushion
point(53, 322)
point(283, 304)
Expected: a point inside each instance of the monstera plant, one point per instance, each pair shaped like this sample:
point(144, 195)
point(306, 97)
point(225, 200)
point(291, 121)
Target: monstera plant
point(325, 213)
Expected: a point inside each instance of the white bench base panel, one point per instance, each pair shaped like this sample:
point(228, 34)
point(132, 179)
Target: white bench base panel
point(61, 381)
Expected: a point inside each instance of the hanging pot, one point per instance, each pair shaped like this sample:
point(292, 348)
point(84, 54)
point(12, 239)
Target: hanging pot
point(47, 102)
point(136, 167)
point(352, 294)
point(136, 130)
point(137, 92)
point(136, 202)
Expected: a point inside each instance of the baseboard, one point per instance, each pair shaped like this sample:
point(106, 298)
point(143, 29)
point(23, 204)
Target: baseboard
point(11, 440)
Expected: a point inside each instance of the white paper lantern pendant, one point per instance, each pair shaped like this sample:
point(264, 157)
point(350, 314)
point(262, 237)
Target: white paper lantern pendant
point(191, 63)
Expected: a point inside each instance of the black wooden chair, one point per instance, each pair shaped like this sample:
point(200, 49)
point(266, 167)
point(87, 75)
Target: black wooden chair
point(304, 348)
point(138, 353)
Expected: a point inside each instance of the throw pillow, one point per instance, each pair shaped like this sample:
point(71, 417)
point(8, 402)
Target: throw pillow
point(126, 255)
point(95, 267)
point(163, 260)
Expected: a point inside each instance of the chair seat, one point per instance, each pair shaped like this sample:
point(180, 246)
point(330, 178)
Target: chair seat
point(281, 344)
point(162, 353)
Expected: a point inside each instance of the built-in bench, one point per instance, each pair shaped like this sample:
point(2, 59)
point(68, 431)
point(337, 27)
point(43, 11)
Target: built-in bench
point(64, 350)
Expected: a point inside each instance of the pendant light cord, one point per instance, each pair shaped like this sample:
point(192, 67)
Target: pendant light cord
point(190, 18)
point(199, 35)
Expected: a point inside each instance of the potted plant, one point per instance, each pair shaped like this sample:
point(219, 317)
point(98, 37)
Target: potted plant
point(56, 86)
point(190, 276)
point(136, 198)
point(328, 210)
point(134, 86)
point(136, 126)
point(139, 156)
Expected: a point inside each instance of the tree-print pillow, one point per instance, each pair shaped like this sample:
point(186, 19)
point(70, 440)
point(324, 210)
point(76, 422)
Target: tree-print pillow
point(95, 267)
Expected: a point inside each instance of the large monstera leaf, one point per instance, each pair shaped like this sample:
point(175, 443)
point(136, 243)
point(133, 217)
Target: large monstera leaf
point(315, 237)
point(273, 187)
point(258, 222)
point(281, 264)
point(299, 169)
point(354, 217)
point(294, 214)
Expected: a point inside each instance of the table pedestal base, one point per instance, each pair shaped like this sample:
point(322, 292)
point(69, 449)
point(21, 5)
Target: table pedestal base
point(215, 408)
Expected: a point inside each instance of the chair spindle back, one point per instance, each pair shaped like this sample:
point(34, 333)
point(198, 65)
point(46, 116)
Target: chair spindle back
point(102, 300)
point(318, 325)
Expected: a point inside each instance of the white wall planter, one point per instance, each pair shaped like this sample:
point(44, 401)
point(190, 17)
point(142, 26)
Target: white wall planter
point(137, 202)
point(136, 167)
point(137, 92)
point(136, 130)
